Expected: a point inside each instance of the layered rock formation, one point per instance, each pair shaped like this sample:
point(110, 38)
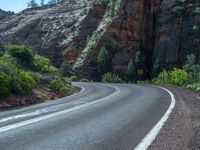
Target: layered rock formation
point(161, 30)
point(154, 28)
point(48, 30)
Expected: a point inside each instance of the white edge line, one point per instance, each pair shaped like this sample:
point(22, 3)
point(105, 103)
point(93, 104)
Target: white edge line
point(34, 120)
point(153, 133)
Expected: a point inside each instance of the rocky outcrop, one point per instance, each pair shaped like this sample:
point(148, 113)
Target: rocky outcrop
point(47, 30)
point(174, 35)
point(153, 28)
point(89, 25)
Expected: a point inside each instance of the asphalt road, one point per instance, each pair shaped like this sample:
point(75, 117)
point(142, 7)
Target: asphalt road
point(100, 117)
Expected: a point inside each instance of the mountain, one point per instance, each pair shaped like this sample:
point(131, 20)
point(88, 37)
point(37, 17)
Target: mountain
point(164, 31)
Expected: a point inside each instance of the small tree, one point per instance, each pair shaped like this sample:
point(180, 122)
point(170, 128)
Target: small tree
point(156, 68)
point(131, 70)
point(192, 68)
point(32, 4)
point(103, 60)
point(2, 49)
point(42, 2)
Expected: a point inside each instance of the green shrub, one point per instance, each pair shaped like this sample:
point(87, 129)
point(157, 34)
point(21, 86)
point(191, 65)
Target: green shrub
point(66, 70)
point(35, 76)
point(7, 66)
point(2, 49)
point(84, 80)
point(22, 82)
point(111, 78)
point(192, 68)
point(21, 52)
point(60, 84)
point(4, 84)
point(195, 86)
point(73, 78)
point(162, 78)
point(43, 64)
point(179, 77)
point(103, 60)
point(176, 76)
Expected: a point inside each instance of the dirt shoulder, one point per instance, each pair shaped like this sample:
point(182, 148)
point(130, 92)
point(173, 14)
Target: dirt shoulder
point(182, 130)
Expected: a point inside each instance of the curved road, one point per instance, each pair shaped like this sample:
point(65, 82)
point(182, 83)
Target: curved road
point(100, 117)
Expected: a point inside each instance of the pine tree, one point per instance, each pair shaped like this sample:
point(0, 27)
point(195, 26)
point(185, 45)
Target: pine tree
point(42, 2)
point(103, 60)
point(32, 4)
point(131, 70)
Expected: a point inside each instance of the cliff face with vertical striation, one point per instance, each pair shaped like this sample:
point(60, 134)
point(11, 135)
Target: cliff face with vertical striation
point(162, 30)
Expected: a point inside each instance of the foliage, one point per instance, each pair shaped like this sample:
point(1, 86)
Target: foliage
point(103, 60)
point(156, 68)
point(21, 52)
point(66, 70)
point(35, 76)
point(22, 82)
point(176, 77)
point(16, 79)
point(111, 78)
point(73, 78)
point(2, 49)
point(84, 80)
point(195, 86)
point(32, 4)
point(4, 84)
point(131, 70)
point(192, 68)
point(60, 84)
point(43, 64)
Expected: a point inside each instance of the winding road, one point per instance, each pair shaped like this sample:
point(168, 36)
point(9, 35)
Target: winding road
point(100, 117)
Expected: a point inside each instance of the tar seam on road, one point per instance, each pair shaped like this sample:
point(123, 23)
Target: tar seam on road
point(34, 120)
point(153, 133)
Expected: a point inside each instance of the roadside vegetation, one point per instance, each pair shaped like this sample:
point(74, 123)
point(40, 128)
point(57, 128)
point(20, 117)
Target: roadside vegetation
point(24, 73)
point(187, 76)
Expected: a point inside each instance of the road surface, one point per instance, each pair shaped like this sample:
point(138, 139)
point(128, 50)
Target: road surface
point(100, 117)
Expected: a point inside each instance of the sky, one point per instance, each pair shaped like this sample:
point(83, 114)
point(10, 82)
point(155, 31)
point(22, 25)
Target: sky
point(14, 5)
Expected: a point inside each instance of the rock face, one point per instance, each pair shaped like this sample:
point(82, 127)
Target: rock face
point(153, 28)
point(156, 28)
point(47, 30)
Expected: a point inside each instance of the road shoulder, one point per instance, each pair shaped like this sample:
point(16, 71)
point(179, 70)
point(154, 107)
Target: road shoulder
point(182, 130)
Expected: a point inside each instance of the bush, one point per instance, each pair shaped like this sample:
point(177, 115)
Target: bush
point(43, 64)
point(103, 60)
point(179, 77)
point(35, 76)
point(111, 78)
point(66, 70)
point(195, 86)
point(192, 68)
point(60, 84)
point(7, 66)
point(22, 82)
point(176, 76)
point(4, 84)
point(84, 80)
point(73, 78)
point(2, 49)
point(21, 52)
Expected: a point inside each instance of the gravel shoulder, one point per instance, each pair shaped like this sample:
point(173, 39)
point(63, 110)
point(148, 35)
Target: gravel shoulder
point(182, 130)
